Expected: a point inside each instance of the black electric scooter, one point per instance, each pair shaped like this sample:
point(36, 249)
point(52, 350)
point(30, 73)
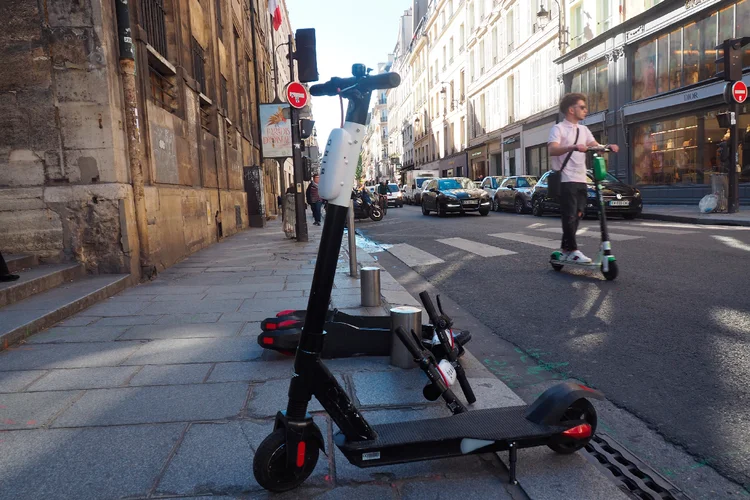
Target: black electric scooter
point(347, 335)
point(561, 418)
point(604, 260)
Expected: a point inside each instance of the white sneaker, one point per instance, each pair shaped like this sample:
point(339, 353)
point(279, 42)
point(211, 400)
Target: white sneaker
point(577, 256)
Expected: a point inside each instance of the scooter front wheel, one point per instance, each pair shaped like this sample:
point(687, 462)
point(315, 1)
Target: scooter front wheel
point(270, 466)
point(611, 274)
point(583, 410)
point(377, 214)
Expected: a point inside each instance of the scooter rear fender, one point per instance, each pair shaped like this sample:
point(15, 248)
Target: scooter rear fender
point(549, 408)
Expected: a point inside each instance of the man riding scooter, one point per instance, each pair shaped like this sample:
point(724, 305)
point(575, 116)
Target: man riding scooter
point(572, 139)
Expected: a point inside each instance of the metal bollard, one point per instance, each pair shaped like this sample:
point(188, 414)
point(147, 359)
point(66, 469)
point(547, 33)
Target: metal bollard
point(409, 318)
point(352, 243)
point(370, 286)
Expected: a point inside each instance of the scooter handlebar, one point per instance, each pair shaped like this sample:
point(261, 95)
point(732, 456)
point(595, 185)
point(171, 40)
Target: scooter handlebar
point(366, 84)
point(599, 149)
point(430, 308)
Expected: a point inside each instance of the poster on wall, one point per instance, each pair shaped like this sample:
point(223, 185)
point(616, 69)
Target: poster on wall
point(276, 130)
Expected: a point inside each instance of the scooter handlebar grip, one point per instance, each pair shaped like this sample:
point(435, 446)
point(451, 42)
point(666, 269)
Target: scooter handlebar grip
point(381, 81)
point(408, 342)
point(464, 383)
point(430, 308)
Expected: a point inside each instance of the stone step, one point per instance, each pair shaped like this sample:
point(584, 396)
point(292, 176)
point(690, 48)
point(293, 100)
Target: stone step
point(22, 319)
point(38, 280)
point(19, 262)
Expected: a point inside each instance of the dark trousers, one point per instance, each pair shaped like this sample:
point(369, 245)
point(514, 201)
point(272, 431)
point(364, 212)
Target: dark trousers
point(572, 208)
point(316, 207)
point(3, 266)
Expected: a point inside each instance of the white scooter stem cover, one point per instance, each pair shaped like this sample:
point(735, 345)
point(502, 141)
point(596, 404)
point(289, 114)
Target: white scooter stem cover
point(339, 164)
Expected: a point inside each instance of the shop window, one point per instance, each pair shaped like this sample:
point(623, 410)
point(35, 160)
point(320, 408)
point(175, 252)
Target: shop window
point(662, 64)
point(593, 82)
point(742, 21)
point(537, 160)
point(644, 70)
point(707, 31)
point(675, 59)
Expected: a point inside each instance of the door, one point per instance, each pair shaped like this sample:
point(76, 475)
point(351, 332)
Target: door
point(505, 192)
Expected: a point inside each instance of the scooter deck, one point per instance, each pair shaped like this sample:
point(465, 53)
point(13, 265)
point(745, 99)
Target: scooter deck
point(334, 316)
point(443, 437)
point(344, 341)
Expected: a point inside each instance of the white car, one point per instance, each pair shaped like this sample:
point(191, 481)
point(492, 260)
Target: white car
point(395, 196)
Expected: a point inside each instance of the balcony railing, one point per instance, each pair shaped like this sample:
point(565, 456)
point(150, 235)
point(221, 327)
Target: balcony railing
point(199, 66)
point(152, 19)
point(162, 90)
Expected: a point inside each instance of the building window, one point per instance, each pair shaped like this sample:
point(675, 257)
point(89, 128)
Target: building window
point(199, 66)
point(450, 8)
point(471, 17)
point(494, 45)
point(576, 25)
point(537, 160)
point(451, 51)
point(163, 91)
point(461, 38)
point(593, 82)
point(152, 19)
point(224, 93)
point(481, 57)
point(635, 7)
point(509, 34)
point(603, 16)
point(510, 84)
point(219, 21)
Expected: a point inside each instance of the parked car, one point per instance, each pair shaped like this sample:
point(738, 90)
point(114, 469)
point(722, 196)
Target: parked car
point(515, 193)
point(395, 197)
point(453, 195)
point(619, 198)
point(490, 185)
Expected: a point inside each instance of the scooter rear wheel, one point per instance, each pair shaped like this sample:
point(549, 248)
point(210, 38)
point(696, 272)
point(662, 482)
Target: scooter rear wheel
point(581, 409)
point(377, 214)
point(270, 464)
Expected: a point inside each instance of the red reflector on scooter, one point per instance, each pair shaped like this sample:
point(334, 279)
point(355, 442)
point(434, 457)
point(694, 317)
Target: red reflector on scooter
point(268, 340)
point(285, 312)
point(287, 323)
point(582, 431)
point(300, 454)
point(271, 326)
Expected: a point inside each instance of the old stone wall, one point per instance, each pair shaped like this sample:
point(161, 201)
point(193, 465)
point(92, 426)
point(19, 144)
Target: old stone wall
point(63, 169)
point(65, 190)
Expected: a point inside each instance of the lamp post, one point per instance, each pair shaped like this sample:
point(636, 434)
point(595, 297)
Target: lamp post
point(562, 31)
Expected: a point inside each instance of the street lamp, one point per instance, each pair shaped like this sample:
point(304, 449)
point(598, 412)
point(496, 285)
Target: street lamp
point(562, 32)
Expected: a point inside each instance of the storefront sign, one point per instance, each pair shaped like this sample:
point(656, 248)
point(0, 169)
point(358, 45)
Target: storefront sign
point(276, 133)
point(712, 90)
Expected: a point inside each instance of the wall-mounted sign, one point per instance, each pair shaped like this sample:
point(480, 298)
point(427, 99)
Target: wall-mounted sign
point(276, 130)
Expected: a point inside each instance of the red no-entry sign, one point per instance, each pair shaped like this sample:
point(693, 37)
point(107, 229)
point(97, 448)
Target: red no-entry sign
point(296, 95)
point(739, 92)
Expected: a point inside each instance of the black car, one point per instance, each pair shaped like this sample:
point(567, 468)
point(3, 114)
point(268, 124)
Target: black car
point(619, 198)
point(454, 195)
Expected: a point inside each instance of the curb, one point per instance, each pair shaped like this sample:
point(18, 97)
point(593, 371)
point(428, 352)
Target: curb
point(694, 220)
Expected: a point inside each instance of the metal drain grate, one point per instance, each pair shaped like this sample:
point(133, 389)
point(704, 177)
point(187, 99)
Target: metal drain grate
point(633, 476)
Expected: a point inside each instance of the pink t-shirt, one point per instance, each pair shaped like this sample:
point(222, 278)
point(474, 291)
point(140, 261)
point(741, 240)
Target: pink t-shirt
point(564, 133)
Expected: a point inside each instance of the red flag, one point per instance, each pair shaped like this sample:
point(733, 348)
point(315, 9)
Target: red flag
point(275, 11)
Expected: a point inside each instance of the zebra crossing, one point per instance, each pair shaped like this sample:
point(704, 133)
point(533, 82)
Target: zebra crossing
point(537, 235)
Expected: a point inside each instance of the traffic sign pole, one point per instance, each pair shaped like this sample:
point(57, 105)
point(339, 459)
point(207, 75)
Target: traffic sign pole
point(733, 197)
point(299, 185)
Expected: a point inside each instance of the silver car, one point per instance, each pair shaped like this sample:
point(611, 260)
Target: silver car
point(515, 193)
point(490, 185)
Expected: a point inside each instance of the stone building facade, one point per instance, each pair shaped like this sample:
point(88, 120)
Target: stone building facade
point(66, 184)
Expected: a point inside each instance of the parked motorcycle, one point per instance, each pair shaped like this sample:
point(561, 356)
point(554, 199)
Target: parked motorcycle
point(365, 206)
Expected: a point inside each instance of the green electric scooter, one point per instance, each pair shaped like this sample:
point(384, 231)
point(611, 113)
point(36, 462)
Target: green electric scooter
point(604, 259)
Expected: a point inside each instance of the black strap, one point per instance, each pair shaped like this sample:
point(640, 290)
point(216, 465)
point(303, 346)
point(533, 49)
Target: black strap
point(578, 131)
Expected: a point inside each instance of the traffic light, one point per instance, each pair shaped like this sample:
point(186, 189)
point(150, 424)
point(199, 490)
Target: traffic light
point(306, 55)
point(729, 60)
point(306, 128)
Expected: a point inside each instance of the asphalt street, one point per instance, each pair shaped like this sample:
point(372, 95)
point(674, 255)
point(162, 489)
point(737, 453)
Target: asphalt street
point(667, 342)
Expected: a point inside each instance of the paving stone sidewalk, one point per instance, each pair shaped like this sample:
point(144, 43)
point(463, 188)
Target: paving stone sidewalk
point(163, 392)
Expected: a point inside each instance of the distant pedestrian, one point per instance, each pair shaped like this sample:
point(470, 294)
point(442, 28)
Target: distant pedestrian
point(571, 139)
point(313, 199)
point(5, 272)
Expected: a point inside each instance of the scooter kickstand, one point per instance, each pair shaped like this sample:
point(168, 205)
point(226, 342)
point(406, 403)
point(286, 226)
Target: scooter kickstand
point(513, 458)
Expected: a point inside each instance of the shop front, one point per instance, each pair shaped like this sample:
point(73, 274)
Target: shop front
point(478, 159)
point(512, 164)
point(674, 157)
point(535, 148)
point(454, 166)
